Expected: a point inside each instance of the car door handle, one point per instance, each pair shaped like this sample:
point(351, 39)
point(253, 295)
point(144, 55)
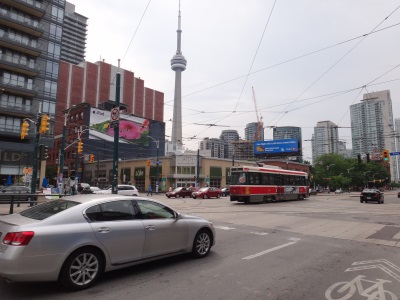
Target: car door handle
point(103, 229)
point(151, 227)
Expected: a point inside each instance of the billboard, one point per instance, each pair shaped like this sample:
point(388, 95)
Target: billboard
point(277, 147)
point(131, 128)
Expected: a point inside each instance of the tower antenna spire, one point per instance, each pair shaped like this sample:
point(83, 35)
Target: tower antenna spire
point(178, 65)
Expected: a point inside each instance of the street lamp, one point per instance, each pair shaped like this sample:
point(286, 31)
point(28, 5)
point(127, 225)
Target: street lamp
point(157, 162)
point(348, 170)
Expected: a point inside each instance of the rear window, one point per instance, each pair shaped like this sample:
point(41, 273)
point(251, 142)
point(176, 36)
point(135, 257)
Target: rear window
point(47, 209)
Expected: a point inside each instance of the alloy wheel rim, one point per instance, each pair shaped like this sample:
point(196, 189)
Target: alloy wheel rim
point(203, 243)
point(84, 269)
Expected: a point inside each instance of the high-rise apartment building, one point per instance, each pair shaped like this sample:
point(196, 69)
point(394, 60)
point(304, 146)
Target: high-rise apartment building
point(289, 132)
point(215, 146)
point(251, 130)
point(30, 37)
point(73, 42)
point(325, 139)
point(397, 148)
point(229, 136)
point(372, 127)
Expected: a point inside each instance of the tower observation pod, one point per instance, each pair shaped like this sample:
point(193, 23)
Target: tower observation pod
point(178, 64)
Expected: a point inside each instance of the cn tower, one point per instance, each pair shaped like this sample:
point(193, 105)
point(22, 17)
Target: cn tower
point(178, 64)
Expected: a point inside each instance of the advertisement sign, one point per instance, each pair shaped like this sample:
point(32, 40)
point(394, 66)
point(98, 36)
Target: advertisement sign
point(277, 147)
point(131, 128)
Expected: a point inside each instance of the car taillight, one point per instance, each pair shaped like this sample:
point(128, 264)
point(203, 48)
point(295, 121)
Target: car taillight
point(18, 238)
point(376, 195)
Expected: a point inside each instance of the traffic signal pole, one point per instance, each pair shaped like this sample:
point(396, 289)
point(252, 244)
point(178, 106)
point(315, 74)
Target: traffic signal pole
point(114, 189)
point(35, 155)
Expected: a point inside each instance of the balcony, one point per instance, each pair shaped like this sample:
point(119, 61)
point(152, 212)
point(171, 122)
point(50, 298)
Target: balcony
point(19, 110)
point(19, 65)
point(23, 44)
point(31, 7)
point(25, 25)
point(22, 90)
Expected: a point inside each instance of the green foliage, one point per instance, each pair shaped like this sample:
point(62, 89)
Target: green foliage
point(335, 171)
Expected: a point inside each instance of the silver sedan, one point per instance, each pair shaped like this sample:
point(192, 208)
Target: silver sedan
point(77, 238)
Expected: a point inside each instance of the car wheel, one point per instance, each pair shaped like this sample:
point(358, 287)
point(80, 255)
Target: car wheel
point(194, 197)
point(201, 244)
point(218, 195)
point(361, 201)
point(177, 196)
point(205, 196)
point(82, 269)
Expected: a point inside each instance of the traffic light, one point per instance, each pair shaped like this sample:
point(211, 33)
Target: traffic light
point(44, 124)
point(148, 163)
point(368, 159)
point(386, 155)
point(80, 147)
point(24, 129)
point(91, 158)
point(359, 158)
point(43, 152)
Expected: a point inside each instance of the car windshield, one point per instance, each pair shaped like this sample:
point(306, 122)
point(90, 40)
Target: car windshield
point(177, 189)
point(47, 209)
point(203, 189)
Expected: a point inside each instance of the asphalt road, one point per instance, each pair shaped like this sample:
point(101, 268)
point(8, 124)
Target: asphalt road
point(327, 247)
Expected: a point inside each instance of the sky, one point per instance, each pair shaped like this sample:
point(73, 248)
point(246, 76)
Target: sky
point(299, 61)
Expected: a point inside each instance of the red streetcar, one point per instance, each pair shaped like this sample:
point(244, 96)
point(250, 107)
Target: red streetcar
point(269, 183)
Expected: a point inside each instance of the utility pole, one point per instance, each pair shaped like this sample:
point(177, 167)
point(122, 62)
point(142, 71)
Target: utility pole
point(116, 135)
point(198, 169)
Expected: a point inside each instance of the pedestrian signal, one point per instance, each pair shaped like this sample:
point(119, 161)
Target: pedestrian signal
point(148, 163)
point(91, 158)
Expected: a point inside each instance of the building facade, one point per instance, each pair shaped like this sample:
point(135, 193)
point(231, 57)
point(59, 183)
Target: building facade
point(30, 38)
point(325, 139)
point(250, 132)
point(372, 127)
point(229, 136)
point(73, 42)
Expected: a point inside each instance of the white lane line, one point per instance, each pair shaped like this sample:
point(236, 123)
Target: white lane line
point(269, 250)
point(259, 233)
point(224, 227)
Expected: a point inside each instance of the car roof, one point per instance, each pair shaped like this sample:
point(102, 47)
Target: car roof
point(86, 198)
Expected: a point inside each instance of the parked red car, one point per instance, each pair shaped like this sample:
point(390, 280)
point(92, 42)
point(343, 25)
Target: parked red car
point(207, 192)
point(181, 192)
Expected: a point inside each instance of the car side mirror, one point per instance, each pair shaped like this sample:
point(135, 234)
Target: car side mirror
point(177, 215)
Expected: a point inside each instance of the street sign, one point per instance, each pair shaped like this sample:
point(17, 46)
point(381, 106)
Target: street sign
point(115, 114)
point(394, 153)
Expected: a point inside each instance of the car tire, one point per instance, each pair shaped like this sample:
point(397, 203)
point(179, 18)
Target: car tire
point(218, 196)
point(177, 196)
point(361, 201)
point(194, 197)
point(202, 244)
point(205, 196)
point(77, 264)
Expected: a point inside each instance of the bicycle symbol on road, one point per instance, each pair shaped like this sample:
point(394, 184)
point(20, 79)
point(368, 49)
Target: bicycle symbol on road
point(346, 289)
point(372, 290)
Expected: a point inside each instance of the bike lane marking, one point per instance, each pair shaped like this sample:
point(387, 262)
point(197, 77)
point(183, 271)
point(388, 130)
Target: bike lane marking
point(271, 250)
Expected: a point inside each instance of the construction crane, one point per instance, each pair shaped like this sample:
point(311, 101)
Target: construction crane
point(259, 118)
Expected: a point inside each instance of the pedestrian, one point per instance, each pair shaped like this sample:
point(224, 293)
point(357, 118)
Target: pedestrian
point(170, 188)
point(157, 188)
point(150, 191)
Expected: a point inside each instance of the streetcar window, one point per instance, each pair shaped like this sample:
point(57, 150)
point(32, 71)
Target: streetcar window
point(254, 178)
point(238, 178)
